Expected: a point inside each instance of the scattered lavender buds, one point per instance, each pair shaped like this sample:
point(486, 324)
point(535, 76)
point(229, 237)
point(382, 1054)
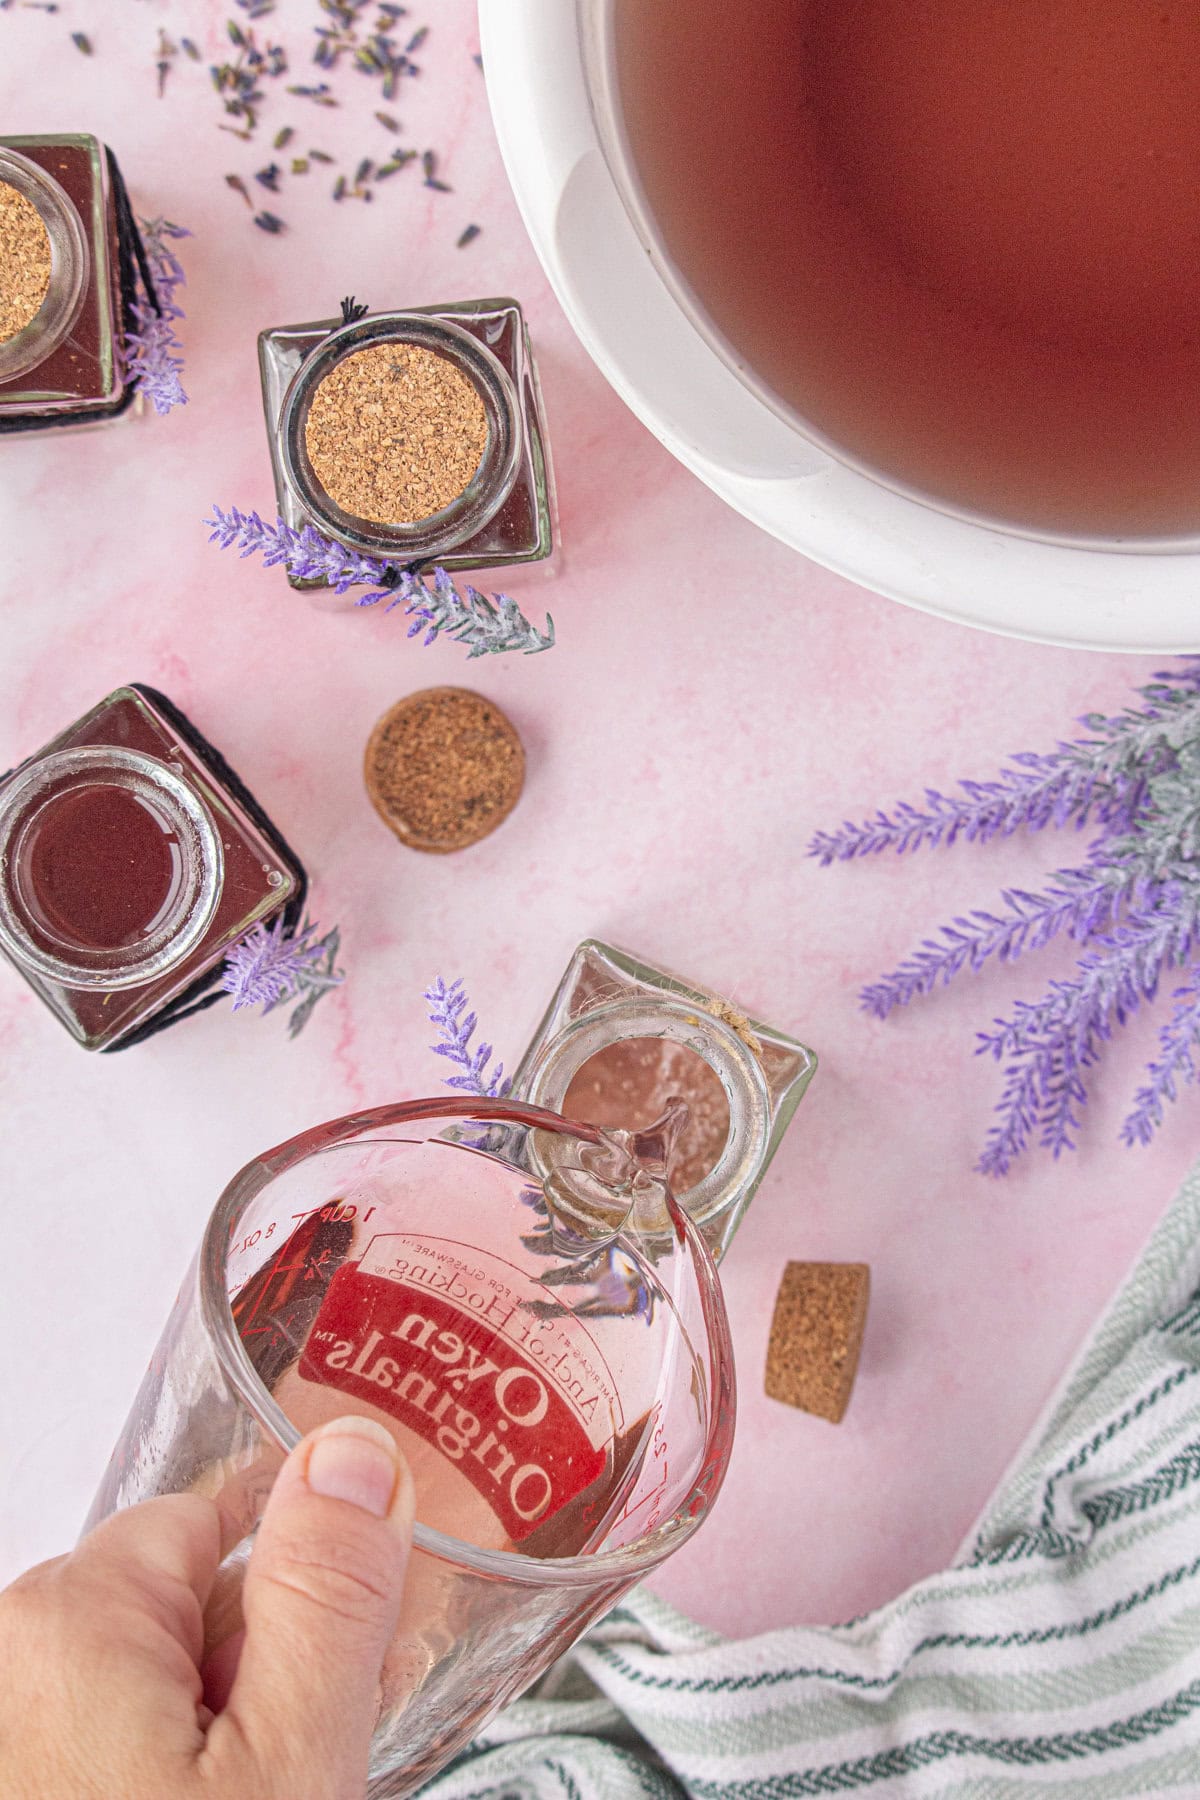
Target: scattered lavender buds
point(1135, 901)
point(239, 83)
point(468, 236)
point(376, 53)
point(152, 349)
point(456, 1026)
point(359, 34)
point(269, 968)
point(486, 627)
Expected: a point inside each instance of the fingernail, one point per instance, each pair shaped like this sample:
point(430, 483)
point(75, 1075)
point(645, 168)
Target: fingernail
point(354, 1459)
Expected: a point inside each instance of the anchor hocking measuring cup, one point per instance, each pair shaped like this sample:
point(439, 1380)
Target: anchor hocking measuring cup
point(543, 1335)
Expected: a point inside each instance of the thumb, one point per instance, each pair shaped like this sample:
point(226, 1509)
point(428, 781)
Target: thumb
point(321, 1600)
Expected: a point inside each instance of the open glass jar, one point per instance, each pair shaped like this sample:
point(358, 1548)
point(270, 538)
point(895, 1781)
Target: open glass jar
point(432, 389)
point(131, 859)
point(68, 228)
point(620, 1038)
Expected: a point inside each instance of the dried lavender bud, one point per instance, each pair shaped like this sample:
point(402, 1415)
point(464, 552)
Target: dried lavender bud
point(283, 138)
point(269, 177)
point(468, 236)
point(268, 221)
point(239, 187)
point(321, 95)
point(387, 121)
point(320, 156)
point(82, 42)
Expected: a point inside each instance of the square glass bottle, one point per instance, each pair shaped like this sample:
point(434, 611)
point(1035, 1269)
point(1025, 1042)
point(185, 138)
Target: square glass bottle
point(63, 364)
point(131, 859)
point(621, 1037)
point(503, 517)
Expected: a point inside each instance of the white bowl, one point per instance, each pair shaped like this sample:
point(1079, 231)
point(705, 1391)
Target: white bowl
point(549, 69)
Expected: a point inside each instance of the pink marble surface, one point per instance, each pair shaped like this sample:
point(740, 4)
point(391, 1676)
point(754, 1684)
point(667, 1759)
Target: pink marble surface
point(712, 699)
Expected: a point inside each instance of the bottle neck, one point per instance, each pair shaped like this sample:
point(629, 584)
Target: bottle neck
point(644, 1053)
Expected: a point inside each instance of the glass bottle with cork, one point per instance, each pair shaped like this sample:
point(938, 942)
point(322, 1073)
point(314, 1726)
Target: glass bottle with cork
point(416, 437)
point(69, 246)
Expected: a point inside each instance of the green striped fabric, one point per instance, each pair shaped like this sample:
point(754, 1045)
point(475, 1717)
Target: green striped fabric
point(1060, 1656)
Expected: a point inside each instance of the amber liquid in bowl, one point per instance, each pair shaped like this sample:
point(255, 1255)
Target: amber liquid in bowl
point(958, 239)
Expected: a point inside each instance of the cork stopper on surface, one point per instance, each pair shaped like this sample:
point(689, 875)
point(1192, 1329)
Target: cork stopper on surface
point(816, 1335)
point(24, 262)
point(443, 768)
point(395, 433)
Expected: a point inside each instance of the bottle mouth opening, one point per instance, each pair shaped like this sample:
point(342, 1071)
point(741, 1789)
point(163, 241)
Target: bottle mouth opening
point(718, 1046)
point(482, 496)
point(110, 868)
point(46, 330)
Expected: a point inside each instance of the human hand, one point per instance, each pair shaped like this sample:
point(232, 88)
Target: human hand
point(102, 1692)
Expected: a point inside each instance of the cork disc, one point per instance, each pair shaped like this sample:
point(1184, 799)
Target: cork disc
point(816, 1336)
point(25, 262)
point(443, 768)
point(395, 433)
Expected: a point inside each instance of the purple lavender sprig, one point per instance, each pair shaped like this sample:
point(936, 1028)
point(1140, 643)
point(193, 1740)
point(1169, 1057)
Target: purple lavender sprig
point(153, 352)
point(1052, 1042)
point(269, 968)
point(617, 1287)
point(486, 627)
point(455, 1024)
point(1178, 1040)
point(1135, 903)
point(1080, 902)
point(1101, 777)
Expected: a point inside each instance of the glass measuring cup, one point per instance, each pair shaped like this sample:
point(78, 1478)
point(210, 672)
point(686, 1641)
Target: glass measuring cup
point(555, 1366)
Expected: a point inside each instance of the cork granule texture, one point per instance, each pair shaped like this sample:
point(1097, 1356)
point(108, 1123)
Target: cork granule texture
point(395, 433)
point(443, 768)
point(24, 262)
point(816, 1335)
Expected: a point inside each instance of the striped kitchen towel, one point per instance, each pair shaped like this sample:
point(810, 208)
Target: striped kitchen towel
point(1059, 1656)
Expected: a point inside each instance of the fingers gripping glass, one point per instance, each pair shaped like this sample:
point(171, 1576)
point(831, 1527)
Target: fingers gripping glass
point(549, 1349)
